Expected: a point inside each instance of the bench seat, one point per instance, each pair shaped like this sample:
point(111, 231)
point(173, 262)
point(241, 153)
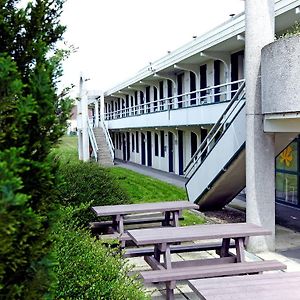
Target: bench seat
point(146, 251)
point(207, 271)
point(131, 221)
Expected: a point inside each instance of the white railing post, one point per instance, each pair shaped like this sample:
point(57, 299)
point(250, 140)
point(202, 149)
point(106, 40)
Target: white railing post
point(97, 113)
point(93, 139)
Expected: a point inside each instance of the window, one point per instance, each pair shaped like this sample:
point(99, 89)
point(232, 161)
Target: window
point(162, 144)
point(287, 174)
point(137, 142)
point(156, 144)
point(132, 142)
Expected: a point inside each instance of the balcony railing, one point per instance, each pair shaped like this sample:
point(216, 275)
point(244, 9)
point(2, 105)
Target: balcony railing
point(209, 95)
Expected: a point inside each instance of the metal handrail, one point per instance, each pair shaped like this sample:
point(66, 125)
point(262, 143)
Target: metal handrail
point(109, 140)
point(215, 130)
point(93, 139)
point(169, 103)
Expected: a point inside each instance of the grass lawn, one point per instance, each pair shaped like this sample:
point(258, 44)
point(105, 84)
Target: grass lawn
point(140, 188)
point(67, 149)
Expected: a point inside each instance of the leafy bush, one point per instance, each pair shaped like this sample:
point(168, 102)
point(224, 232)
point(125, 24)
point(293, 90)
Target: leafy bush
point(86, 269)
point(292, 31)
point(88, 183)
point(32, 118)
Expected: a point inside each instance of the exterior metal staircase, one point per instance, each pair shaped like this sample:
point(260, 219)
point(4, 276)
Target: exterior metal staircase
point(102, 145)
point(216, 173)
point(105, 146)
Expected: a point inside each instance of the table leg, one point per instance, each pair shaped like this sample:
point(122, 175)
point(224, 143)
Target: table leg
point(167, 219)
point(224, 251)
point(167, 257)
point(175, 218)
point(240, 249)
point(114, 223)
point(118, 223)
point(170, 286)
point(157, 253)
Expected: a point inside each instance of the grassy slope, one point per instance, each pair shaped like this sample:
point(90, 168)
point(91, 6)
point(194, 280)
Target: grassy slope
point(67, 149)
point(140, 188)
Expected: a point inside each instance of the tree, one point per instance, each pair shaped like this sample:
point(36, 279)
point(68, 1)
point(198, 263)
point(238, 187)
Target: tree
point(32, 119)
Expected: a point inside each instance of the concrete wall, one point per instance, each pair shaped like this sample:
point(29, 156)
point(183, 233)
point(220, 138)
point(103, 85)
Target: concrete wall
point(281, 76)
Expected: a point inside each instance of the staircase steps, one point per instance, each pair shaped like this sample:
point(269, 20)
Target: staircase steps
point(104, 155)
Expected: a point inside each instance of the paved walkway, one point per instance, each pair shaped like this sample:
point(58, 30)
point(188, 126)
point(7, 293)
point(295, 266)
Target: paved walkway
point(158, 174)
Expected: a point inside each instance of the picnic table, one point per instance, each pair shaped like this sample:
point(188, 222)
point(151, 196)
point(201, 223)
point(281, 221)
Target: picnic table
point(171, 210)
point(274, 286)
point(169, 271)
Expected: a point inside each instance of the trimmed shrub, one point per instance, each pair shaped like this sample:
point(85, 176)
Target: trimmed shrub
point(88, 183)
point(32, 118)
point(86, 269)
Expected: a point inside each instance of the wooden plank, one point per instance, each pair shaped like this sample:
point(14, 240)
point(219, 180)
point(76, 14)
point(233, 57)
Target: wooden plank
point(110, 210)
point(196, 232)
point(254, 282)
point(269, 290)
point(203, 262)
point(245, 280)
point(211, 271)
point(134, 252)
point(132, 221)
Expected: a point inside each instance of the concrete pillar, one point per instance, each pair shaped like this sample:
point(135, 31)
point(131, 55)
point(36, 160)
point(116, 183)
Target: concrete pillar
point(102, 107)
point(79, 123)
point(97, 113)
point(85, 135)
point(260, 147)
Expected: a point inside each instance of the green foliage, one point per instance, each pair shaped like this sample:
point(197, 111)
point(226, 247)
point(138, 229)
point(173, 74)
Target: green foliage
point(292, 31)
point(32, 118)
point(88, 183)
point(67, 149)
point(86, 269)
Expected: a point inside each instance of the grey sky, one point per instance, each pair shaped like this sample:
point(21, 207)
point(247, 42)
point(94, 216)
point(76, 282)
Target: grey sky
point(116, 38)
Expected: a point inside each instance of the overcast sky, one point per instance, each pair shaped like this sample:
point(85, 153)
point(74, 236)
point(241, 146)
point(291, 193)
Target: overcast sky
point(117, 38)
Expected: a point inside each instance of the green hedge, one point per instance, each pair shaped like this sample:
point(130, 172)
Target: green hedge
point(88, 183)
point(86, 269)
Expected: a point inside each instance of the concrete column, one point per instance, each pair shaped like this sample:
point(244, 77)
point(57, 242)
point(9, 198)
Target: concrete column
point(85, 135)
point(79, 123)
point(260, 147)
point(97, 113)
point(102, 107)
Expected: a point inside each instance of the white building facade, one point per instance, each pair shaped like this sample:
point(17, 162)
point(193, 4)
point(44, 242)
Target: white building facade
point(189, 113)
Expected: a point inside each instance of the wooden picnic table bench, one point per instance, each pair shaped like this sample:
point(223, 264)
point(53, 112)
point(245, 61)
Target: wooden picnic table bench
point(274, 286)
point(120, 213)
point(227, 264)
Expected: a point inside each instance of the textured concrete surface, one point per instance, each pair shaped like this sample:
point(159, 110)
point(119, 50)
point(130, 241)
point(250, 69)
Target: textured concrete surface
point(260, 147)
point(280, 76)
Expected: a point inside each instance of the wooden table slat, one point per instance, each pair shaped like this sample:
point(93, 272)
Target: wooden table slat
point(109, 210)
point(196, 232)
point(267, 286)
